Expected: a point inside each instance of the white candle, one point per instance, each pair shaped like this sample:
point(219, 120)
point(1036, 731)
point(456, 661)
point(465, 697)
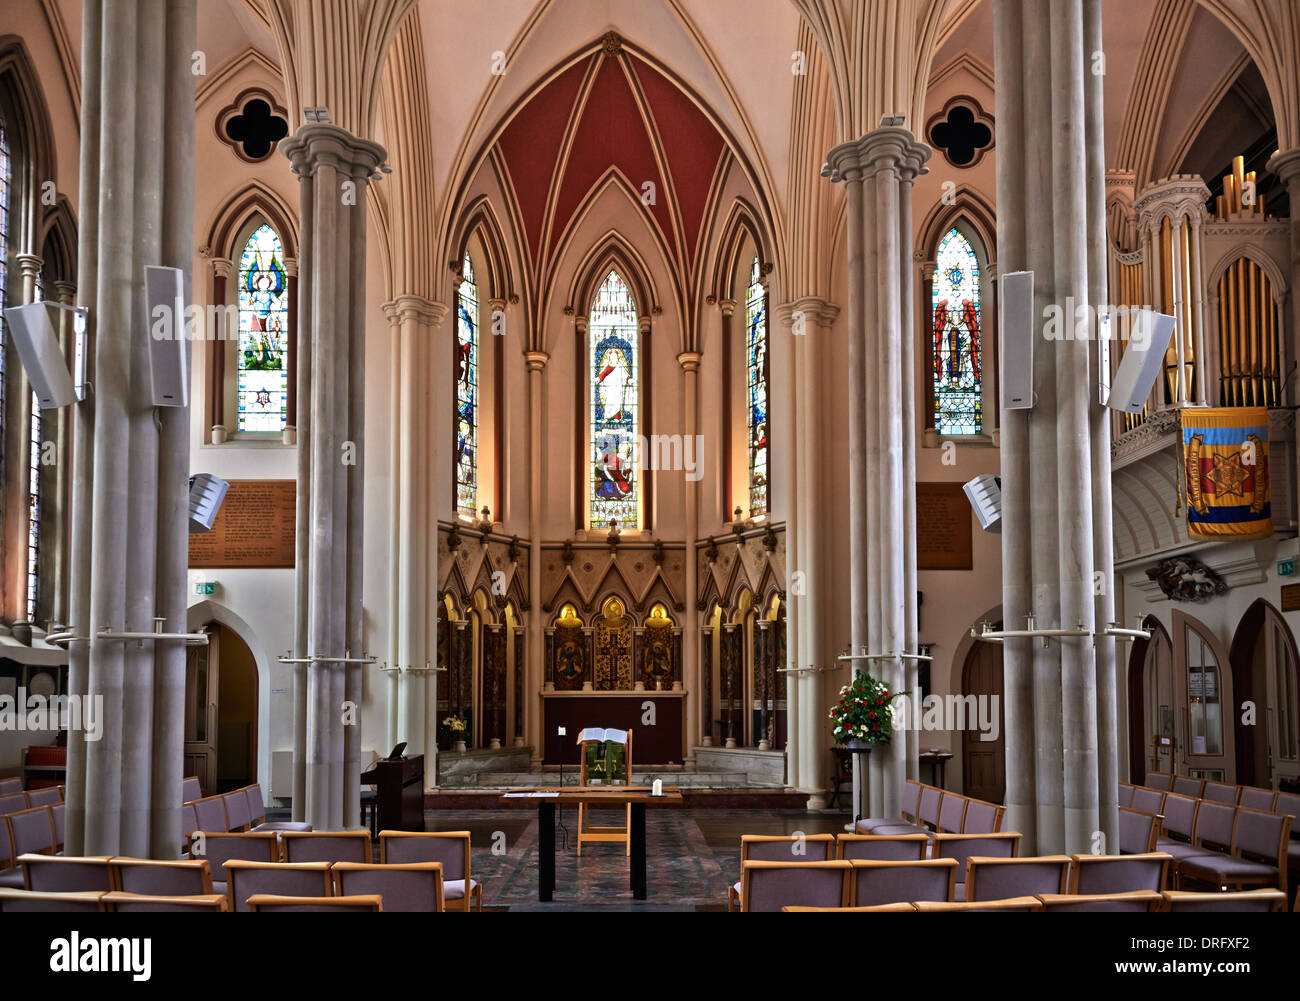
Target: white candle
point(659, 787)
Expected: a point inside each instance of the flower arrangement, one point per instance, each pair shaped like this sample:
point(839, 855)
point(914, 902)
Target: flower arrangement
point(454, 725)
point(865, 711)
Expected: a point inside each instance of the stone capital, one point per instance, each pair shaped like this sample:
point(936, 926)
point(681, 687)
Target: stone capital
point(805, 308)
point(319, 144)
point(536, 360)
point(414, 309)
point(63, 292)
point(728, 306)
point(1286, 166)
point(291, 267)
point(29, 265)
point(890, 149)
point(689, 361)
point(222, 268)
point(1171, 198)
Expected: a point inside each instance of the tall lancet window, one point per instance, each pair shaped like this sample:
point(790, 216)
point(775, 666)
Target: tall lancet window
point(467, 391)
point(263, 333)
point(756, 372)
point(956, 330)
point(612, 332)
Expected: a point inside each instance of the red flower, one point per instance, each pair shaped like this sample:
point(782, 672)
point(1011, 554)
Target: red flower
point(880, 702)
point(875, 728)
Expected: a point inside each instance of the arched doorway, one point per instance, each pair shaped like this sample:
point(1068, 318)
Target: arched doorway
point(1264, 667)
point(221, 704)
point(1151, 723)
point(983, 762)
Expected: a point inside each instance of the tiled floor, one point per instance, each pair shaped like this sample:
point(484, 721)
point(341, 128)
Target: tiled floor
point(693, 856)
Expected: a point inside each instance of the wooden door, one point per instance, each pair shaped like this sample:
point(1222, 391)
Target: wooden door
point(984, 765)
point(1203, 702)
point(1264, 665)
point(1279, 666)
point(1156, 703)
point(201, 675)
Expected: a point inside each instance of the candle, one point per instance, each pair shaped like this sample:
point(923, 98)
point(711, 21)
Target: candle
point(658, 787)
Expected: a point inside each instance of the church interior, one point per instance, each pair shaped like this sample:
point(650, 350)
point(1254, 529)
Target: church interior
point(649, 454)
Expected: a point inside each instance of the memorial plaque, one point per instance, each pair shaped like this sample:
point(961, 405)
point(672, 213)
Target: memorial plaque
point(943, 527)
point(1291, 597)
point(254, 529)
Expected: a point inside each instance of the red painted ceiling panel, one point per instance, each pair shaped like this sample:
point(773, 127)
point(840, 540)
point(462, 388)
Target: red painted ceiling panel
point(611, 133)
point(531, 143)
point(691, 144)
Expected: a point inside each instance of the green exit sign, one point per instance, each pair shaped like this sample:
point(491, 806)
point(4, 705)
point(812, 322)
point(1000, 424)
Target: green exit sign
point(1285, 568)
point(205, 587)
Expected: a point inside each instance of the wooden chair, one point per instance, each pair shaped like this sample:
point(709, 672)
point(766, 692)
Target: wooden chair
point(14, 901)
point(893, 908)
point(325, 846)
point(67, 874)
point(412, 887)
point(154, 877)
point(286, 879)
point(622, 835)
point(881, 847)
point(1094, 874)
point(11, 784)
point(769, 886)
point(190, 789)
point(1221, 792)
point(1258, 856)
point(270, 902)
point(1134, 900)
point(779, 848)
point(1007, 904)
point(1138, 831)
point(47, 796)
point(31, 831)
point(999, 878)
point(1241, 900)
point(12, 802)
point(451, 848)
point(220, 847)
point(145, 902)
point(873, 883)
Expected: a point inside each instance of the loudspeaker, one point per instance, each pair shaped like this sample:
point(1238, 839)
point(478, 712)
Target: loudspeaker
point(1016, 332)
point(168, 353)
point(1144, 357)
point(206, 494)
point(985, 496)
point(38, 346)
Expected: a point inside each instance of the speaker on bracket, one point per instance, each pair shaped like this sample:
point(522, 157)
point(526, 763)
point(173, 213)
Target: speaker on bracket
point(985, 495)
point(1143, 359)
point(206, 494)
point(1016, 332)
point(168, 350)
point(38, 348)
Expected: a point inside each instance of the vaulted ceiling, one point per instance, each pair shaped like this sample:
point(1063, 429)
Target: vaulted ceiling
point(612, 113)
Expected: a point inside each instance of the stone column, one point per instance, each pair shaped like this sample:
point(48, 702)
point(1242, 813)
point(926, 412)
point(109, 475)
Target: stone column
point(695, 711)
point(222, 271)
point(536, 363)
point(334, 168)
point(130, 491)
point(16, 435)
point(414, 321)
point(58, 498)
point(887, 160)
point(1286, 165)
point(1050, 192)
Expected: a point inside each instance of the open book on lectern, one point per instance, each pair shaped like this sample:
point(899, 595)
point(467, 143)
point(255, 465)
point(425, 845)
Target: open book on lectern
point(596, 733)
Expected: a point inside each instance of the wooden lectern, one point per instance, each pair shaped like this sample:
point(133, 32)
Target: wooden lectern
point(595, 745)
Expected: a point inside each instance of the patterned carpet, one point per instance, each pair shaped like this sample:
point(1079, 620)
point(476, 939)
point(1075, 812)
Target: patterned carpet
point(693, 856)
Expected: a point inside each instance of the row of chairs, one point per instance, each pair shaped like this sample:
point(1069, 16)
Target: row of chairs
point(927, 808)
point(14, 800)
point(219, 849)
point(1228, 846)
point(410, 886)
point(38, 829)
point(239, 810)
point(1138, 900)
point(770, 886)
point(1254, 797)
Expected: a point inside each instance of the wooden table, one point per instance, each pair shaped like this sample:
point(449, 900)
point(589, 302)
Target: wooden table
point(595, 797)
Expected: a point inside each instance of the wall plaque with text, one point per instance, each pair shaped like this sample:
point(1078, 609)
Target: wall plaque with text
point(943, 527)
point(254, 529)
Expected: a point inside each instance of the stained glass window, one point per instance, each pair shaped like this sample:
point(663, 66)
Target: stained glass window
point(756, 379)
point(34, 492)
point(467, 391)
point(615, 404)
point(956, 330)
point(263, 333)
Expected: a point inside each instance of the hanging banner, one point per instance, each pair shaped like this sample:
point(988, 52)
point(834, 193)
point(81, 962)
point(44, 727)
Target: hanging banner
point(1226, 451)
